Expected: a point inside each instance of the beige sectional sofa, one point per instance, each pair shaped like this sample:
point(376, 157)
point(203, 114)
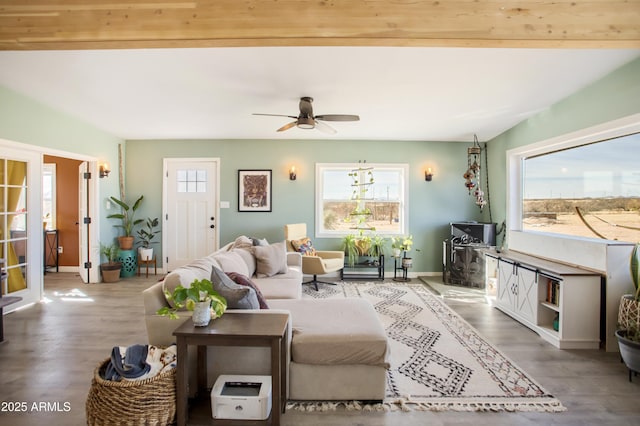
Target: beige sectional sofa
point(337, 349)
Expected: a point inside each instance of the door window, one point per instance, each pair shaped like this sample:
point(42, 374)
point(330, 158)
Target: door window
point(13, 223)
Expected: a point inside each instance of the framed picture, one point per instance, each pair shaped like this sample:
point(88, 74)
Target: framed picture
point(254, 190)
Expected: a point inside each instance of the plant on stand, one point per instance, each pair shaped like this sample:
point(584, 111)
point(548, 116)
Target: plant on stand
point(128, 221)
point(199, 297)
point(110, 269)
point(146, 235)
point(628, 333)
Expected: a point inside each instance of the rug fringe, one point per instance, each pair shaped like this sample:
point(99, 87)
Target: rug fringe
point(405, 405)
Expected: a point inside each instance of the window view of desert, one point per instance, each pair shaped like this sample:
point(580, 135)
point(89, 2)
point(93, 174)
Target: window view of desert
point(609, 218)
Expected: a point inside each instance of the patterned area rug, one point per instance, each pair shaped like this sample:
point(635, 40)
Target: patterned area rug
point(438, 361)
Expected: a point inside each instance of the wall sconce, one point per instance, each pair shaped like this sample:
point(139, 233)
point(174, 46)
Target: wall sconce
point(104, 170)
point(292, 173)
point(428, 175)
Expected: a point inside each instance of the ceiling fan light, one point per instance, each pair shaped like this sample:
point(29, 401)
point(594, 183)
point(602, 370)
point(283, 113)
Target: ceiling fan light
point(306, 123)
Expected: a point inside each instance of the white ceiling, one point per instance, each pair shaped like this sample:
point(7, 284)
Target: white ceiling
point(439, 94)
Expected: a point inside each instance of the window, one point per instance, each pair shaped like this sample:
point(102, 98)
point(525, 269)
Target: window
point(49, 195)
point(588, 186)
point(191, 180)
point(360, 197)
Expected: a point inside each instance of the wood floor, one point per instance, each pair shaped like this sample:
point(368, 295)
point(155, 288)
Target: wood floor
point(53, 347)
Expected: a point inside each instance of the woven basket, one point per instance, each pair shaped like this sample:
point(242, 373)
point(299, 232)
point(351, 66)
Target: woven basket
point(146, 402)
point(628, 313)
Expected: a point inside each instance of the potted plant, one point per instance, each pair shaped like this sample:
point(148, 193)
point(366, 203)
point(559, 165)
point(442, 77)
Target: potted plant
point(146, 235)
point(363, 245)
point(128, 221)
point(377, 246)
point(110, 269)
point(199, 297)
point(350, 248)
point(628, 333)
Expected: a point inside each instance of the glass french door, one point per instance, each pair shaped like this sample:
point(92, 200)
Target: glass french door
point(21, 229)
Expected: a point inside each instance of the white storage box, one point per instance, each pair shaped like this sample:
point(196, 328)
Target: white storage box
point(241, 397)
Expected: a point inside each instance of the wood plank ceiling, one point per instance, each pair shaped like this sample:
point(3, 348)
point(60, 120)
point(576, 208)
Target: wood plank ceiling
point(101, 24)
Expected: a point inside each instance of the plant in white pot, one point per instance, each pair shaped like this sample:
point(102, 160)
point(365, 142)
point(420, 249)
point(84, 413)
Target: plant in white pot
point(628, 333)
point(199, 297)
point(111, 268)
point(128, 221)
point(146, 235)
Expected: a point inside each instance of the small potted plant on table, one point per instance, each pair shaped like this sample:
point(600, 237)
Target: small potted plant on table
point(199, 297)
point(146, 235)
point(128, 221)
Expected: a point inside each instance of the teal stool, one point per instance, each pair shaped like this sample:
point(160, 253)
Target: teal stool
point(129, 263)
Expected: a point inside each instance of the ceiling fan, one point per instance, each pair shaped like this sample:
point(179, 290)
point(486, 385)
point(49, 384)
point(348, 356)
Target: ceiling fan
point(306, 119)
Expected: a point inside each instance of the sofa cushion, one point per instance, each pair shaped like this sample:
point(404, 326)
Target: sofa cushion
point(304, 246)
point(270, 260)
point(237, 296)
point(336, 331)
point(231, 261)
point(248, 258)
point(246, 281)
point(281, 286)
point(184, 275)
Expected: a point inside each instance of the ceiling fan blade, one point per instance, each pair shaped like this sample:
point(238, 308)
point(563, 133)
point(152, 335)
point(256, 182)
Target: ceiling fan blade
point(275, 115)
point(325, 128)
point(337, 117)
point(288, 126)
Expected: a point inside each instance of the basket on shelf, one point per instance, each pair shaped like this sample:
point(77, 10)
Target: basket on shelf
point(145, 402)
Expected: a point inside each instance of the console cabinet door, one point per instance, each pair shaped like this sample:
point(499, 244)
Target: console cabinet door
point(527, 300)
point(507, 284)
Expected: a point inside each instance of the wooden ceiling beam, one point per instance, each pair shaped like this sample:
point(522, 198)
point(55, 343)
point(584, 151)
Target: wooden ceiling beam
point(97, 24)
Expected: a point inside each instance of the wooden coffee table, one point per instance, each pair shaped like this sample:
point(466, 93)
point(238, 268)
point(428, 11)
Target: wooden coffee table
point(233, 329)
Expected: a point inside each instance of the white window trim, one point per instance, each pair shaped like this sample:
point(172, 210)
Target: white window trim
point(319, 233)
point(566, 248)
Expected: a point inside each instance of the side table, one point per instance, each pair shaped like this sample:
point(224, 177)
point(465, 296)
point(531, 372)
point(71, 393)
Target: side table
point(148, 262)
point(232, 329)
point(128, 260)
point(403, 268)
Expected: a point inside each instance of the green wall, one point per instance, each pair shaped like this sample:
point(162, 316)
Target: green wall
point(615, 96)
point(27, 121)
point(432, 205)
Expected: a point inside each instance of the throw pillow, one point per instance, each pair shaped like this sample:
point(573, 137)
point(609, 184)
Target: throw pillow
point(237, 296)
point(248, 259)
point(231, 261)
point(260, 241)
point(242, 242)
point(246, 281)
point(270, 260)
point(304, 246)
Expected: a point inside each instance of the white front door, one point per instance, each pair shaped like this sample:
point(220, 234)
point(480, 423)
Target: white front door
point(21, 234)
point(190, 206)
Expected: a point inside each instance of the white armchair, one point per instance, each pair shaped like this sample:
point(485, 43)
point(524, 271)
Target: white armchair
point(321, 262)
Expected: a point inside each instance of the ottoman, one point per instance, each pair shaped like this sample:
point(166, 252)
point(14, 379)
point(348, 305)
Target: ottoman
point(339, 350)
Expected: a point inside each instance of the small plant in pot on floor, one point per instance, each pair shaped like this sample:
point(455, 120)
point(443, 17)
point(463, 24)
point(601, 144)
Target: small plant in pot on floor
point(110, 269)
point(628, 332)
point(199, 297)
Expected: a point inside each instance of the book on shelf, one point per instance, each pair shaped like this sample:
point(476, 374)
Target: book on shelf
point(553, 292)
